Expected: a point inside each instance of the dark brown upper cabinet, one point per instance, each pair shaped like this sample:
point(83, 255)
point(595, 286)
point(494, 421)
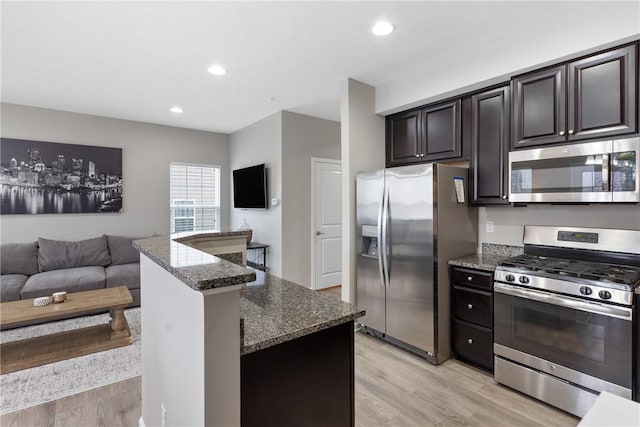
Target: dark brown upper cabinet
point(424, 135)
point(602, 95)
point(490, 121)
point(594, 97)
point(441, 131)
point(403, 141)
point(539, 107)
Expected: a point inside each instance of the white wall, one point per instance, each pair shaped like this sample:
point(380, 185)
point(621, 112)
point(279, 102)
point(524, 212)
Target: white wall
point(303, 137)
point(190, 351)
point(258, 143)
point(147, 150)
point(362, 149)
point(509, 222)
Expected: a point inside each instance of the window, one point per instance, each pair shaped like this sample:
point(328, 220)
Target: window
point(195, 197)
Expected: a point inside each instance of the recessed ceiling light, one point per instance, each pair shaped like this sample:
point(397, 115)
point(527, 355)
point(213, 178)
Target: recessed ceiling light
point(382, 28)
point(217, 70)
point(176, 110)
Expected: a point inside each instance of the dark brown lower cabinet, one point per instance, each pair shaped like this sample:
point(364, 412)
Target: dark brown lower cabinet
point(308, 381)
point(472, 316)
point(473, 343)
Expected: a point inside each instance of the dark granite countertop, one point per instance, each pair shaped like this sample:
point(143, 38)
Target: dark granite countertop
point(276, 310)
point(273, 310)
point(490, 257)
point(195, 268)
point(478, 261)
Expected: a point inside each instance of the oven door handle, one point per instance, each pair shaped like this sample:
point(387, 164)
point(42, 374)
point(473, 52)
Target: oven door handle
point(564, 301)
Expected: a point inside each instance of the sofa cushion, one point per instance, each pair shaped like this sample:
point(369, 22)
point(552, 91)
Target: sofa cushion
point(19, 258)
point(58, 255)
point(122, 250)
point(69, 279)
point(123, 275)
point(10, 286)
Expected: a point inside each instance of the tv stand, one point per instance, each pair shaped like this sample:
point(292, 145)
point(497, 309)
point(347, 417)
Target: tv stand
point(255, 246)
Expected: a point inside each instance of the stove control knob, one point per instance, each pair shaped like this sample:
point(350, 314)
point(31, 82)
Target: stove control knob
point(524, 279)
point(585, 290)
point(510, 278)
point(604, 294)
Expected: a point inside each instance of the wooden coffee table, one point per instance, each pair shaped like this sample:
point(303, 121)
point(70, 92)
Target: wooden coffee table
point(30, 352)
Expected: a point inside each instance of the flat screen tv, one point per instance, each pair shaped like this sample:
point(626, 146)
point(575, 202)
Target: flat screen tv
point(250, 187)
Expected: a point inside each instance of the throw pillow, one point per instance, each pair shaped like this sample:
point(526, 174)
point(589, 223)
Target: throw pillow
point(56, 255)
point(122, 250)
point(19, 258)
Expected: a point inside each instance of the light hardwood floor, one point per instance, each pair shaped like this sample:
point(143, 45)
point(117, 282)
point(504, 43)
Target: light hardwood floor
point(393, 388)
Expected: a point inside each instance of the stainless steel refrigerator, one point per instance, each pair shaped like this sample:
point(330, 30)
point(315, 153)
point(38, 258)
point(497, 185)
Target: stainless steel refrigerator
point(410, 222)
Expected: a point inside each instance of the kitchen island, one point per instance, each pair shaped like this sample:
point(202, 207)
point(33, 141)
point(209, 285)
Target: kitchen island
point(291, 362)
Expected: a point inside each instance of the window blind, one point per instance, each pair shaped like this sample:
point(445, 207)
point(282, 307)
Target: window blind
point(194, 197)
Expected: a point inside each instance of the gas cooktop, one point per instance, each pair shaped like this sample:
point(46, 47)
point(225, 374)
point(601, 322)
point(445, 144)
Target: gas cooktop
point(562, 268)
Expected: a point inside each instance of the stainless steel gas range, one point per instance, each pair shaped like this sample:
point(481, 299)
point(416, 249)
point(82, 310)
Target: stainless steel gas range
point(563, 315)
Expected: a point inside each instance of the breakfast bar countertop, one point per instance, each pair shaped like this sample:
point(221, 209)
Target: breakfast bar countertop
point(197, 269)
point(273, 310)
point(276, 310)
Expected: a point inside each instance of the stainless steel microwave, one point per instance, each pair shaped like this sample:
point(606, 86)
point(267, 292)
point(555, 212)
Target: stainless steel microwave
point(593, 172)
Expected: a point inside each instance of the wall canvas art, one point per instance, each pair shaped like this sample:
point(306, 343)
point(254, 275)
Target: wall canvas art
point(47, 177)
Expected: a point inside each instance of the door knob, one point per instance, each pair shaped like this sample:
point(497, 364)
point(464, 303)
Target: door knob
point(417, 155)
point(561, 133)
point(469, 306)
point(319, 233)
point(570, 131)
point(470, 341)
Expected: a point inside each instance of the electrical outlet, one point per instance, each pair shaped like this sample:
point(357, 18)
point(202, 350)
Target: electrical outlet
point(489, 226)
point(163, 415)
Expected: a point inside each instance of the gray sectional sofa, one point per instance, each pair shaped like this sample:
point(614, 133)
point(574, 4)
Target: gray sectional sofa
point(30, 270)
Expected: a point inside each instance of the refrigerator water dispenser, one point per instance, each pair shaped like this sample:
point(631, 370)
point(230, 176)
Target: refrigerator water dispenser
point(370, 240)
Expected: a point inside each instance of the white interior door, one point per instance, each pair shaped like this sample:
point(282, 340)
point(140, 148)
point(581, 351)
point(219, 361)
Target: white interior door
point(327, 223)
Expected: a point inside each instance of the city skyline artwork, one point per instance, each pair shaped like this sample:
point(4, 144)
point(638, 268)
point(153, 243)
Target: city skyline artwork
point(39, 177)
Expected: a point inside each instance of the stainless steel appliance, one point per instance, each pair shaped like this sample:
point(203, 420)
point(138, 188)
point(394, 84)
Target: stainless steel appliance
point(603, 171)
point(410, 222)
point(563, 315)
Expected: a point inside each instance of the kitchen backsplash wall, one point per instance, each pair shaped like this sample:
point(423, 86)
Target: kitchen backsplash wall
point(509, 222)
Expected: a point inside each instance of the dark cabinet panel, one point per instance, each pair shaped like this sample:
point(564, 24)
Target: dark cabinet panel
point(441, 131)
point(601, 99)
point(472, 316)
point(473, 306)
point(594, 97)
point(276, 382)
point(474, 278)
point(403, 138)
point(539, 104)
point(490, 121)
point(473, 343)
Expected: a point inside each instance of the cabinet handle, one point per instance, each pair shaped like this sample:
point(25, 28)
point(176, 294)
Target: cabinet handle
point(504, 197)
point(470, 341)
point(570, 131)
point(421, 155)
point(417, 155)
point(561, 133)
point(469, 306)
point(469, 278)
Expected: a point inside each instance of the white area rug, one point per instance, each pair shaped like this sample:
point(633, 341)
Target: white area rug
point(30, 387)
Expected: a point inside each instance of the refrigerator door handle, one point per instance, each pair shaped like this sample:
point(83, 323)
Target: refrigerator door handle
point(380, 245)
point(385, 225)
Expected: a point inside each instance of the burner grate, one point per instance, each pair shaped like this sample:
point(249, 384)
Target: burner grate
point(549, 266)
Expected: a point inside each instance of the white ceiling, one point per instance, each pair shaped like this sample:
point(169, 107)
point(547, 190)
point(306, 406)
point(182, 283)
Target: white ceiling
point(136, 60)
